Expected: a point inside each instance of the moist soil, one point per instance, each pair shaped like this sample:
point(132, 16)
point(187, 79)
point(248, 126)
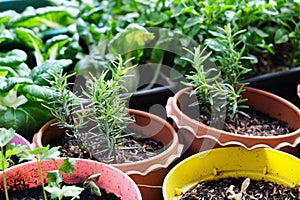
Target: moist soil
point(130, 149)
point(255, 124)
point(37, 194)
point(257, 189)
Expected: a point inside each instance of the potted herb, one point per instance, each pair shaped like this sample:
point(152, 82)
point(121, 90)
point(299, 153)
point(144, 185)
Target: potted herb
point(234, 173)
point(111, 133)
point(271, 37)
point(48, 177)
point(216, 109)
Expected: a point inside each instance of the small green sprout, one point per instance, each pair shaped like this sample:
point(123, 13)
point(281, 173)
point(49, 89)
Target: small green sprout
point(7, 151)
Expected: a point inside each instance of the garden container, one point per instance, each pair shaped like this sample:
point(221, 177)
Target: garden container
point(112, 180)
point(283, 84)
point(259, 164)
point(197, 136)
point(148, 173)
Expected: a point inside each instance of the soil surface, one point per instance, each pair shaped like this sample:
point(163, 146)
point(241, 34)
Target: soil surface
point(130, 149)
point(257, 124)
point(37, 194)
point(257, 189)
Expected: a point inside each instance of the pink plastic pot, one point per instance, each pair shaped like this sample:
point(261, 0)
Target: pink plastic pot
point(112, 179)
point(18, 139)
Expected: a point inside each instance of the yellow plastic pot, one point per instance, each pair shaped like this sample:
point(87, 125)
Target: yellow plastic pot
point(261, 163)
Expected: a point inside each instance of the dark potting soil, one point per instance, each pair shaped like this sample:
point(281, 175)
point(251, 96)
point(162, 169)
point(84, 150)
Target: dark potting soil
point(37, 194)
point(258, 124)
point(257, 189)
point(135, 148)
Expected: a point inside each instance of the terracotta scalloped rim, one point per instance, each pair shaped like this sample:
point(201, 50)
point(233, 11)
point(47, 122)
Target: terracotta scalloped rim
point(158, 166)
point(190, 129)
point(278, 146)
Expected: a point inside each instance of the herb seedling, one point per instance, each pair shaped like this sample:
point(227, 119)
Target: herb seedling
point(54, 177)
point(5, 136)
point(108, 109)
point(218, 87)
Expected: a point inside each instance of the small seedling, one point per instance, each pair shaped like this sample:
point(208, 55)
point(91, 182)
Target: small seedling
point(237, 196)
point(7, 151)
point(55, 180)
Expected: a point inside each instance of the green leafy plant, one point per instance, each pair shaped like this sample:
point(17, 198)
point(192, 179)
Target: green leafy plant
point(102, 106)
point(108, 108)
point(23, 90)
point(7, 151)
point(217, 87)
point(268, 24)
point(55, 184)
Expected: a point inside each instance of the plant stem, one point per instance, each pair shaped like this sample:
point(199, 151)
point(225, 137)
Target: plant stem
point(41, 178)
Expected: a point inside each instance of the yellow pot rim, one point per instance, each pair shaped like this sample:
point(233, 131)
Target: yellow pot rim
point(258, 164)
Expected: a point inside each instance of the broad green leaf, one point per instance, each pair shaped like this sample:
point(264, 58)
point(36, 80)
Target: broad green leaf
point(6, 135)
point(22, 70)
point(55, 177)
point(133, 38)
point(29, 38)
point(38, 151)
point(52, 17)
point(258, 31)
point(50, 154)
point(26, 119)
point(36, 92)
point(270, 10)
point(13, 149)
point(6, 84)
point(13, 57)
point(55, 44)
point(193, 21)
point(281, 36)
point(72, 191)
point(6, 35)
point(157, 18)
point(68, 166)
point(56, 192)
point(181, 10)
point(41, 75)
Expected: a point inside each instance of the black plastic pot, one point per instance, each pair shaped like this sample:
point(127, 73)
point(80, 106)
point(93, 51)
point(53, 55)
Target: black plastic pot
point(283, 84)
point(20, 5)
point(154, 99)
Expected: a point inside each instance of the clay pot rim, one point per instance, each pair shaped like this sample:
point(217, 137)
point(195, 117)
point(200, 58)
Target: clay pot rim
point(184, 90)
point(162, 160)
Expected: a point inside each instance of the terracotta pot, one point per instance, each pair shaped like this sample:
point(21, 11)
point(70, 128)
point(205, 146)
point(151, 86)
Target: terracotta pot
point(148, 173)
point(199, 137)
point(112, 180)
point(258, 164)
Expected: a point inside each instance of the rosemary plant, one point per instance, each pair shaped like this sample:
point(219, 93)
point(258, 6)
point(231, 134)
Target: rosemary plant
point(108, 108)
point(217, 87)
point(64, 104)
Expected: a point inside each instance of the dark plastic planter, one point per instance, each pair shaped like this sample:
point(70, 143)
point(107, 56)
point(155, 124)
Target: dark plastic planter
point(153, 100)
point(283, 84)
point(20, 5)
